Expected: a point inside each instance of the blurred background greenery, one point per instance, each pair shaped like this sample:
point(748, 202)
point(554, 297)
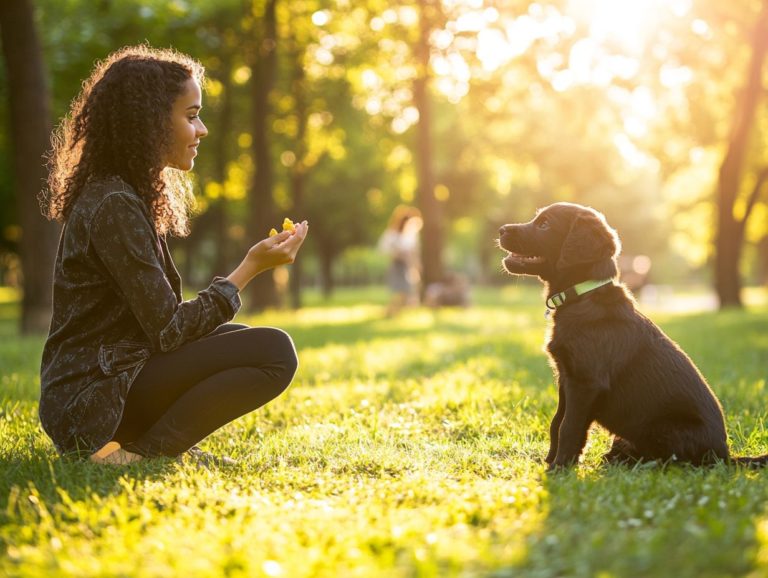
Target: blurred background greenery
point(477, 111)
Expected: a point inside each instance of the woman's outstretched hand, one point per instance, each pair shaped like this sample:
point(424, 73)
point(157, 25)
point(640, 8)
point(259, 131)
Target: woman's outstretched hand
point(268, 253)
point(277, 250)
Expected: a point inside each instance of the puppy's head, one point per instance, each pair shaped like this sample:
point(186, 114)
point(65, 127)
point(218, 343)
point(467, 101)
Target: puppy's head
point(564, 241)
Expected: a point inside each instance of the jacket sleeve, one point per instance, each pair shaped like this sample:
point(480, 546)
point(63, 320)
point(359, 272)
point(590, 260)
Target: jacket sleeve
point(126, 243)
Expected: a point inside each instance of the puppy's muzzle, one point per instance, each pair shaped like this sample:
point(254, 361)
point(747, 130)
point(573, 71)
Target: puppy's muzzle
point(506, 235)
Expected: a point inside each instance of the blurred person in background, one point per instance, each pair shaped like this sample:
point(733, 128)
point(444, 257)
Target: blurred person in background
point(400, 242)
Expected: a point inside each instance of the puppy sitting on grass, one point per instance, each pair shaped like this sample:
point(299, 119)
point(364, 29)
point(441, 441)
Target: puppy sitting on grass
point(614, 366)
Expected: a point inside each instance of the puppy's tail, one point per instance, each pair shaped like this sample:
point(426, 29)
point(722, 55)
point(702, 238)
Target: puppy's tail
point(751, 462)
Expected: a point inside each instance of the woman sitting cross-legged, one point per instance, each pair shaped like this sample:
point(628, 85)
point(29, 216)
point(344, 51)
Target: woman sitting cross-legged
point(130, 370)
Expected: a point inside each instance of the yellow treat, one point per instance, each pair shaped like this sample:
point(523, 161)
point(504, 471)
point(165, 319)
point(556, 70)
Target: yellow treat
point(288, 225)
point(272, 232)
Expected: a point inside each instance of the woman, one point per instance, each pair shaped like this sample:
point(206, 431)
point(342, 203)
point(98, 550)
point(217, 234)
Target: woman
point(400, 241)
point(129, 369)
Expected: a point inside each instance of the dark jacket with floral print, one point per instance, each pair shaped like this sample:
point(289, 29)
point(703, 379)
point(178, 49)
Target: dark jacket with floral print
point(116, 301)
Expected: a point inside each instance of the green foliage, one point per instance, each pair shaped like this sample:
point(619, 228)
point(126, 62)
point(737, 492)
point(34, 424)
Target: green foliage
point(556, 113)
point(406, 447)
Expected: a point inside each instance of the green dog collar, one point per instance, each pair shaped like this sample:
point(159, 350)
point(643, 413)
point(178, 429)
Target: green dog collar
point(558, 299)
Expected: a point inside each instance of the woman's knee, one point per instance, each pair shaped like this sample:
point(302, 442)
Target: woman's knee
point(282, 352)
point(289, 357)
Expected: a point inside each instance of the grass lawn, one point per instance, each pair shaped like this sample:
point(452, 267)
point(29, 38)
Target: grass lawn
point(407, 447)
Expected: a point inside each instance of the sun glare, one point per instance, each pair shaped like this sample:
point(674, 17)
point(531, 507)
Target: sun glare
point(625, 22)
point(604, 43)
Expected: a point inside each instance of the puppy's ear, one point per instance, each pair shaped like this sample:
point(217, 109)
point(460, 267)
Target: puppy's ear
point(589, 240)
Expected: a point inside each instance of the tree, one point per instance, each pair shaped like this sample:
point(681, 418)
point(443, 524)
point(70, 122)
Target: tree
point(225, 126)
point(332, 153)
point(730, 228)
point(298, 171)
point(222, 197)
point(30, 132)
point(431, 209)
point(262, 289)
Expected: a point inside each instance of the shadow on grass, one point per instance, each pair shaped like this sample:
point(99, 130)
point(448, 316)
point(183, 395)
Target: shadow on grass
point(650, 521)
point(55, 479)
point(676, 522)
point(80, 478)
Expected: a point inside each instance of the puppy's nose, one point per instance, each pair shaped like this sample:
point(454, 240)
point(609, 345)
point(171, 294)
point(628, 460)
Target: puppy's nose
point(502, 230)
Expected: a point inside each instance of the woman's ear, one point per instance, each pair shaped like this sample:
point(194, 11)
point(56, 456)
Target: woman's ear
point(589, 240)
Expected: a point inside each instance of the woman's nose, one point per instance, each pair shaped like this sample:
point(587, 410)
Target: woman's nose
point(202, 130)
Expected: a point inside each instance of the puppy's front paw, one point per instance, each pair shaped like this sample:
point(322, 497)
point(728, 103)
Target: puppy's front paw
point(560, 463)
point(550, 457)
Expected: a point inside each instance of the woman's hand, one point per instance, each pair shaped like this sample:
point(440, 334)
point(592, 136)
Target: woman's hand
point(277, 250)
point(268, 253)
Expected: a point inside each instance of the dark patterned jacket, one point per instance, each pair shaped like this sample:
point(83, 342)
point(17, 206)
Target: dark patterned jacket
point(116, 301)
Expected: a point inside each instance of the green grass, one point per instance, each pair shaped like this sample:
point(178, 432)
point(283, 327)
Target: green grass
point(407, 447)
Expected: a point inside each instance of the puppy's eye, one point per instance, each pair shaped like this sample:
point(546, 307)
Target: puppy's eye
point(542, 224)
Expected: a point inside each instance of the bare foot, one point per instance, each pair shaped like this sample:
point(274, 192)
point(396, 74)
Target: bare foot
point(113, 454)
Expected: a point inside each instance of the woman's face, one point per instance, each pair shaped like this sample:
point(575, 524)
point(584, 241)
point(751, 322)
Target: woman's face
point(187, 127)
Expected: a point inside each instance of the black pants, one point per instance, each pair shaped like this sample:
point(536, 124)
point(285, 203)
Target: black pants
point(182, 396)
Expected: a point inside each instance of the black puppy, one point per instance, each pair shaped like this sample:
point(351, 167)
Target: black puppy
point(614, 366)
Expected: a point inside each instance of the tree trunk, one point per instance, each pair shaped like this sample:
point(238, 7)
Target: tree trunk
point(729, 237)
point(762, 261)
point(219, 208)
point(431, 209)
point(298, 173)
point(326, 273)
point(262, 289)
point(30, 135)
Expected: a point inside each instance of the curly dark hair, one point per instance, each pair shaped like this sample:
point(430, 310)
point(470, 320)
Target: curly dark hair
point(120, 126)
